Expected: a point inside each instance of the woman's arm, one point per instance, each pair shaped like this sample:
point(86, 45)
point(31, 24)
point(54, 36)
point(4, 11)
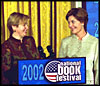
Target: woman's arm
point(96, 65)
point(6, 62)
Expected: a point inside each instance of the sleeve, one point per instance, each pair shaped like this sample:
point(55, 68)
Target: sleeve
point(6, 62)
point(62, 50)
point(32, 48)
point(96, 65)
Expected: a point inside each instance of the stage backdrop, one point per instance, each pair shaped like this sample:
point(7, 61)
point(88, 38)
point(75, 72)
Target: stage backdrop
point(48, 24)
point(92, 8)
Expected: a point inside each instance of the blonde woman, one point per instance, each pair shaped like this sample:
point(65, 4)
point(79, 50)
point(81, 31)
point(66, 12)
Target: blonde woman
point(18, 46)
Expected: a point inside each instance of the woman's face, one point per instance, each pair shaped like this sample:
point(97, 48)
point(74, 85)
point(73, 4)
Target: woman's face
point(21, 30)
point(74, 25)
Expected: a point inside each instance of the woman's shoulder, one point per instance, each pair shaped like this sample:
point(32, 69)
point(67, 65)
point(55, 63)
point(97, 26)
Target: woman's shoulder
point(6, 46)
point(92, 38)
point(67, 38)
point(5, 43)
point(28, 39)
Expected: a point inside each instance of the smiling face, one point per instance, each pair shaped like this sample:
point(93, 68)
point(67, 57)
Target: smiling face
point(75, 25)
point(20, 30)
point(17, 24)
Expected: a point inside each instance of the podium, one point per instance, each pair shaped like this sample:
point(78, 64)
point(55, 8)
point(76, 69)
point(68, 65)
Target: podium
point(52, 71)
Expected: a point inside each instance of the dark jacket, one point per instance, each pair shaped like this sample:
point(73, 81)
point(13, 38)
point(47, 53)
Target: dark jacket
point(12, 51)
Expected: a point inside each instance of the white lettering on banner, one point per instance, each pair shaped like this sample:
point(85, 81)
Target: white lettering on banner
point(69, 71)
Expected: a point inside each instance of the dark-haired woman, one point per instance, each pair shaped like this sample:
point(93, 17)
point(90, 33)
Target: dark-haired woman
point(81, 44)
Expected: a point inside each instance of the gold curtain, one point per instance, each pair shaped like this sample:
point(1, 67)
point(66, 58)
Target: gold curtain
point(62, 25)
point(49, 35)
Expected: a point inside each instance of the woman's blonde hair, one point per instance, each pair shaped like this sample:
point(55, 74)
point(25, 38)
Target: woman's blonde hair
point(16, 19)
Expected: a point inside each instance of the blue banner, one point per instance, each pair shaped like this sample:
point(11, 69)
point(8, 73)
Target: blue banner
point(52, 71)
point(92, 8)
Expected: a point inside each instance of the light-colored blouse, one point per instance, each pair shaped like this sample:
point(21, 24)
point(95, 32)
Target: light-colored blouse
point(87, 47)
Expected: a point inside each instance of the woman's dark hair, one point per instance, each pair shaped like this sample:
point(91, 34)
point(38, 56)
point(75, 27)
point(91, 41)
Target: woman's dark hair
point(80, 14)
